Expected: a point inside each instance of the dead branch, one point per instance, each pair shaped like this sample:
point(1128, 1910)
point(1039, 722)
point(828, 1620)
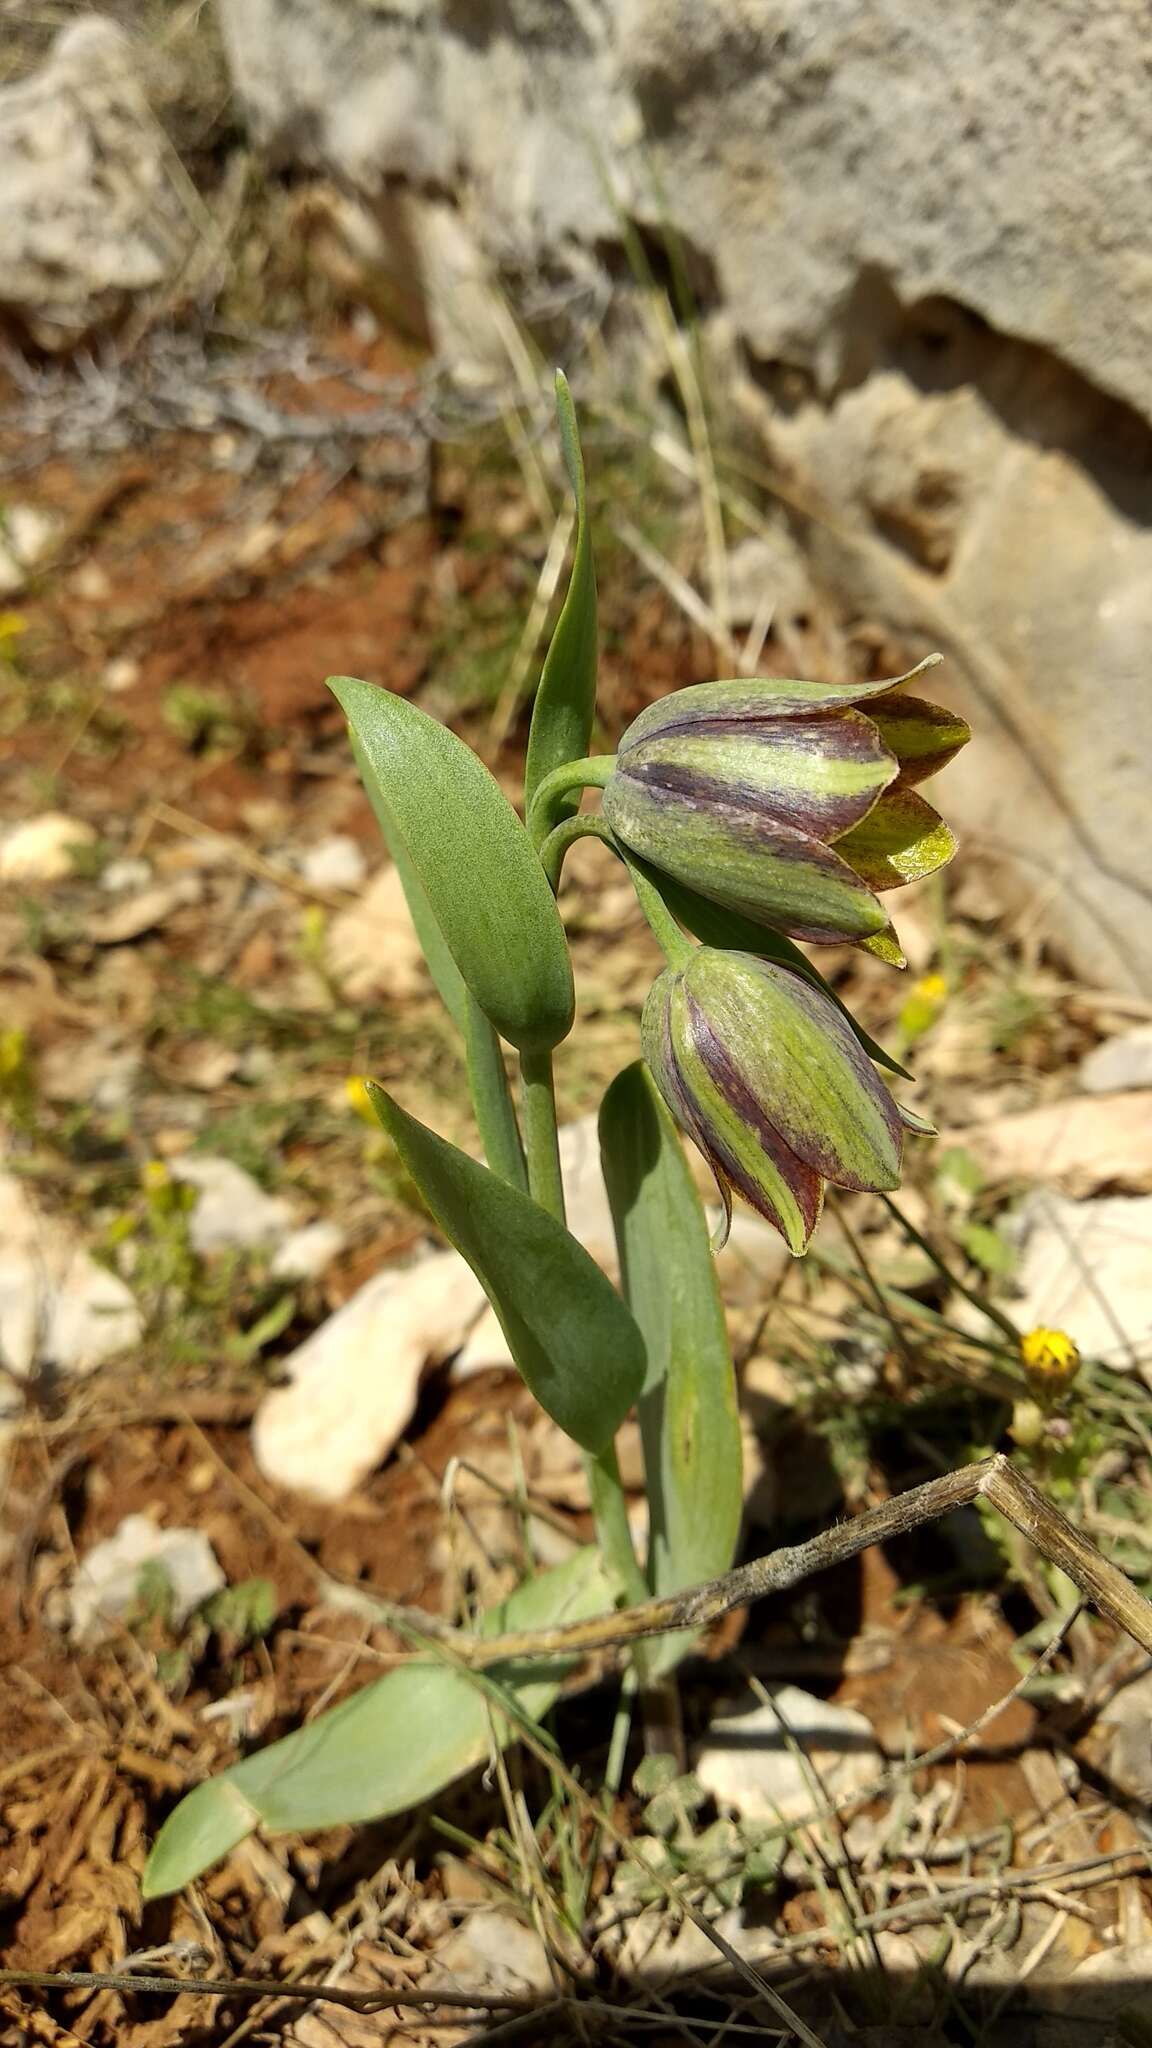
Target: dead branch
point(995, 1480)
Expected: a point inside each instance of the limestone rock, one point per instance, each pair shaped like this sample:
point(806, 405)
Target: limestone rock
point(43, 849)
point(1086, 1268)
point(232, 1213)
point(60, 1312)
point(94, 215)
point(1124, 1062)
point(929, 239)
point(352, 1385)
point(107, 1585)
point(747, 1765)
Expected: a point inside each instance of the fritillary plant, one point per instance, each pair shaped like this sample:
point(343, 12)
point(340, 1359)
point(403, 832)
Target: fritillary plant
point(749, 814)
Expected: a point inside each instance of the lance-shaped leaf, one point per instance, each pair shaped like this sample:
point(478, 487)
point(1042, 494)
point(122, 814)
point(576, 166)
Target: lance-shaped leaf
point(566, 698)
point(475, 863)
point(387, 1749)
point(689, 1423)
point(573, 1339)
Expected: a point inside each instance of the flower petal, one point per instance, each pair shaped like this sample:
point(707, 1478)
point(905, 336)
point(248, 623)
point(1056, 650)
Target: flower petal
point(884, 946)
point(772, 873)
point(900, 840)
point(728, 1125)
point(820, 774)
point(924, 737)
point(747, 698)
point(770, 1039)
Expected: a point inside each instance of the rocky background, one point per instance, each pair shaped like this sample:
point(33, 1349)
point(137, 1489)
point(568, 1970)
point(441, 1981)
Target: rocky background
point(852, 299)
point(914, 240)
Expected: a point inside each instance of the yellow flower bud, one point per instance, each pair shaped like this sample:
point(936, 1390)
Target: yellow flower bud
point(1051, 1360)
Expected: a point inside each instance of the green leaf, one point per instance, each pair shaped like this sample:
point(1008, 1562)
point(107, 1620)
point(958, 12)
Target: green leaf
point(714, 926)
point(486, 890)
point(566, 699)
point(688, 1414)
point(573, 1339)
point(394, 1744)
point(441, 966)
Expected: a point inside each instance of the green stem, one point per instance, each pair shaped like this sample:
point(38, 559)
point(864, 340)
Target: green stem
point(541, 1140)
point(614, 1535)
point(492, 1098)
point(986, 1308)
point(585, 825)
point(591, 773)
point(606, 1492)
point(675, 946)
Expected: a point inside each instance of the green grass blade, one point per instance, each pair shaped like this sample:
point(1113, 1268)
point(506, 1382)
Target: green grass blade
point(566, 699)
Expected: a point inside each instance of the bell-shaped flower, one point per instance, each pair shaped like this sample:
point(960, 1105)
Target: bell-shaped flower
point(766, 1076)
point(788, 801)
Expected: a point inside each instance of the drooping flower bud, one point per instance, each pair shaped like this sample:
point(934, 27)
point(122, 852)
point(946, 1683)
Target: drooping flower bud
point(768, 1079)
point(784, 801)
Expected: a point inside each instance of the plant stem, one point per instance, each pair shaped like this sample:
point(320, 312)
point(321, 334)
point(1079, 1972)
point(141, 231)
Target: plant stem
point(675, 946)
point(606, 1493)
point(541, 1142)
point(492, 1098)
point(585, 825)
point(591, 773)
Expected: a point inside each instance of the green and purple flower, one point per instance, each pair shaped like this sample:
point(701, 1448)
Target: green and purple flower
point(768, 1079)
point(786, 802)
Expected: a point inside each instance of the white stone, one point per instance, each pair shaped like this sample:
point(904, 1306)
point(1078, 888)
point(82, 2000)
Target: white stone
point(493, 1951)
point(107, 1585)
point(307, 1253)
point(1124, 1062)
point(353, 1384)
point(26, 537)
point(1086, 1268)
point(746, 1764)
point(43, 849)
point(96, 211)
point(59, 1311)
point(124, 874)
point(232, 1211)
point(334, 863)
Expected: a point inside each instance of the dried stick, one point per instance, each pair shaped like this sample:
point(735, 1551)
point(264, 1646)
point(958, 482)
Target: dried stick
point(995, 1480)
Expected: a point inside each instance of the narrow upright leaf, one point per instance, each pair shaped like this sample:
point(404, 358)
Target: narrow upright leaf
point(688, 1417)
point(573, 1339)
point(566, 699)
point(387, 1749)
point(484, 885)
